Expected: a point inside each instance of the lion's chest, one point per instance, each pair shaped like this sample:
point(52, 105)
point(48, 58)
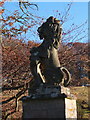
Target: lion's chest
point(52, 61)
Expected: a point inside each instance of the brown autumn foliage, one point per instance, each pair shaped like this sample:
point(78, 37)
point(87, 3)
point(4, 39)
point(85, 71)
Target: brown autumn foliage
point(18, 22)
point(15, 70)
point(16, 51)
point(16, 61)
point(74, 56)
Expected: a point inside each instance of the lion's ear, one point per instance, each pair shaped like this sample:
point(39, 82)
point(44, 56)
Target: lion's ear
point(50, 19)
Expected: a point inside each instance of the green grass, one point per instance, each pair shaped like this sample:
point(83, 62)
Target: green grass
point(81, 93)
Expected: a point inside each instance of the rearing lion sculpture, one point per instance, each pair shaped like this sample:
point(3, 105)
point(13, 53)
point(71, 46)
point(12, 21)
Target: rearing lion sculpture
point(44, 63)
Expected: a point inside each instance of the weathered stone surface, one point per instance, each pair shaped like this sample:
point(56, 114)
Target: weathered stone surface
point(49, 108)
point(70, 108)
point(44, 109)
point(65, 90)
point(48, 91)
point(49, 101)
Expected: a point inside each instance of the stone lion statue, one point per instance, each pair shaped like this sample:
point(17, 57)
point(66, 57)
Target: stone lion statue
point(44, 62)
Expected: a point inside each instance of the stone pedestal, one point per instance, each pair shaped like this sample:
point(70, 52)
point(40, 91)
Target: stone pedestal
point(49, 108)
point(49, 102)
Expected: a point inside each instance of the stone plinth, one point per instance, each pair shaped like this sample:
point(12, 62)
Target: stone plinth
point(49, 101)
point(60, 107)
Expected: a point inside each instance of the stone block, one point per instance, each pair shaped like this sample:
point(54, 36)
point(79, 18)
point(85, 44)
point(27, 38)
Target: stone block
point(49, 108)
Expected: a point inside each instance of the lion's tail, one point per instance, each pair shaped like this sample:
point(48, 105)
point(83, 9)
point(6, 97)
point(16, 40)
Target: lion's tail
point(67, 76)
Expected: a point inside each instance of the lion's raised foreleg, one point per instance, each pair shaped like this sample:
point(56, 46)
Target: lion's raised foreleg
point(35, 72)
